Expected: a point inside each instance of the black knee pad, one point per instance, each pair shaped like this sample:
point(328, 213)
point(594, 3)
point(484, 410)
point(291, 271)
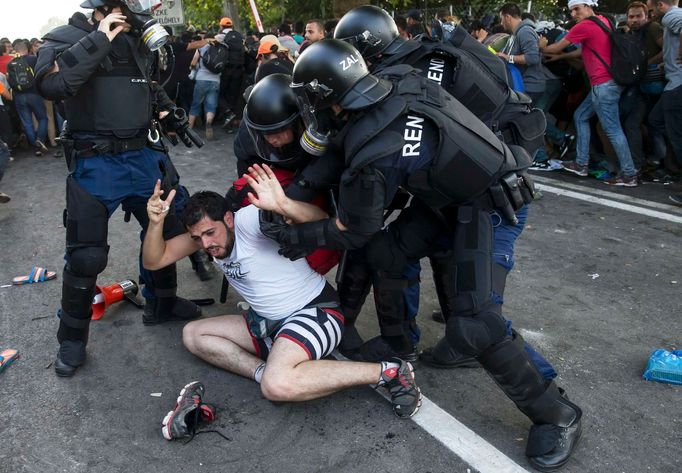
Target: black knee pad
point(384, 255)
point(473, 335)
point(88, 261)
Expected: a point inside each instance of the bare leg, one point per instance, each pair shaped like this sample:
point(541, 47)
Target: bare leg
point(291, 376)
point(192, 119)
point(224, 342)
point(209, 119)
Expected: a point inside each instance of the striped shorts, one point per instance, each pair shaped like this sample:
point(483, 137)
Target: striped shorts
point(318, 330)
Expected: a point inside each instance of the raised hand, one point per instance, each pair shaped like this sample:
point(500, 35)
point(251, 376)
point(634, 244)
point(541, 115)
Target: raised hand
point(269, 194)
point(157, 208)
point(105, 26)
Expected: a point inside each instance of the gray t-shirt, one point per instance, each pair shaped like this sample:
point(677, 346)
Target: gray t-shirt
point(672, 24)
point(202, 72)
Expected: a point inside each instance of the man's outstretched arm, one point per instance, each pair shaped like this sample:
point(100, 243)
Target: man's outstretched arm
point(156, 252)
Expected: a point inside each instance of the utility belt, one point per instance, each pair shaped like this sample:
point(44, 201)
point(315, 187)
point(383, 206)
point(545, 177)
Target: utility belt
point(509, 194)
point(92, 148)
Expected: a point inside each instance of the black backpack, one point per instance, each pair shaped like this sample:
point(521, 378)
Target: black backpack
point(19, 74)
point(216, 57)
point(235, 45)
point(628, 55)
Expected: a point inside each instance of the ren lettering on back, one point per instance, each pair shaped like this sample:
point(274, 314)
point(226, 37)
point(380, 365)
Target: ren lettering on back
point(436, 70)
point(413, 136)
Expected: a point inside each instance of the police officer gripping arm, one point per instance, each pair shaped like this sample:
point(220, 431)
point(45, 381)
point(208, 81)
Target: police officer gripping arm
point(100, 69)
point(407, 132)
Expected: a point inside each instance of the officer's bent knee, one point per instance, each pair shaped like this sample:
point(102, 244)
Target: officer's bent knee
point(88, 261)
point(475, 334)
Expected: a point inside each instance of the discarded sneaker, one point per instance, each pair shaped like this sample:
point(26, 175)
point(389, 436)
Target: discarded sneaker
point(187, 414)
point(401, 386)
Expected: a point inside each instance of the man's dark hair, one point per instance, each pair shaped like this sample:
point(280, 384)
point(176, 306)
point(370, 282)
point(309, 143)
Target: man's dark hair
point(475, 26)
point(637, 4)
point(511, 9)
point(528, 16)
point(442, 14)
point(319, 23)
point(204, 204)
point(299, 27)
point(21, 45)
point(498, 28)
point(284, 29)
point(401, 22)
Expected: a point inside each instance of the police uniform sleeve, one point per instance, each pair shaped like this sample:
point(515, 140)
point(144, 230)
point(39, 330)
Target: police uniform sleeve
point(76, 64)
point(362, 196)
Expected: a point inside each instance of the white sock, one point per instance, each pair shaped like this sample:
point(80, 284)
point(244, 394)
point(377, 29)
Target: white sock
point(388, 371)
point(258, 375)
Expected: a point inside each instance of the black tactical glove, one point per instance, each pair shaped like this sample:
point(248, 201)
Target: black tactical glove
point(292, 246)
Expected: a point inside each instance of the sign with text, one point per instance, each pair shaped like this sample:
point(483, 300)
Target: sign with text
point(170, 13)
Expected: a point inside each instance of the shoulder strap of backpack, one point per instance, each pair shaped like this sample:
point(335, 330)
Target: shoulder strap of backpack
point(601, 24)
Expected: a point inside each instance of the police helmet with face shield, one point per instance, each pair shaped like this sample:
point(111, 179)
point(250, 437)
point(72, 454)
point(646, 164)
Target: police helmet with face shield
point(370, 29)
point(333, 72)
point(272, 109)
point(138, 15)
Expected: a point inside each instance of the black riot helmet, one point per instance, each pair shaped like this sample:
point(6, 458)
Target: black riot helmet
point(272, 108)
point(333, 71)
point(370, 29)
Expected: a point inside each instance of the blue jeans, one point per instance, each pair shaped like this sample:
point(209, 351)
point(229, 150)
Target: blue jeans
point(603, 100)
point(126, 179)
point(205, 93)
point(29, 104)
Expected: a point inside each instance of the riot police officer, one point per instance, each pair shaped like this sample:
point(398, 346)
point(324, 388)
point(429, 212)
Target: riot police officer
point(402, 130)
point(473, 76)
point(101, 69)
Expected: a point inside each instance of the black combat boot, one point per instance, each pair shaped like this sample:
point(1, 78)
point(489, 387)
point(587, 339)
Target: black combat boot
point(201, 264)
point(557, 425)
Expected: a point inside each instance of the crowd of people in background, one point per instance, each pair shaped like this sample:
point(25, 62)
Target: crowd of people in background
point(621, 135)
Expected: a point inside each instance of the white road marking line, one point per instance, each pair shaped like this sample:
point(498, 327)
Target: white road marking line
point(457, 437)
point(462, 441)
point(611, 203)
point(611, 195)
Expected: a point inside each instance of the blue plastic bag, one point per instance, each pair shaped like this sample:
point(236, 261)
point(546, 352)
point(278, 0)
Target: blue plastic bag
point(664, 366)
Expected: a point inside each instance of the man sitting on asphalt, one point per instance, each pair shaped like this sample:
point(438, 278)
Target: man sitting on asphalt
point(293, 322)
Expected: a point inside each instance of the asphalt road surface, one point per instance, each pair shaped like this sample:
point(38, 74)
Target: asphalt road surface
point(596, 288)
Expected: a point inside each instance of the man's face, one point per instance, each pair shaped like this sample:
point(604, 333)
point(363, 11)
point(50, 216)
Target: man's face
point(216, 237)
point(655, 8)
point(280, 138)
point(580, 12)
point(637, 18)
point(313, 32)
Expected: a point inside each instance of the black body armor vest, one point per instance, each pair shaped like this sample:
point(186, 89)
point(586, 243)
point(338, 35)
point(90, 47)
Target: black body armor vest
point(115, 100)
point(468, 81)
point(469, 159)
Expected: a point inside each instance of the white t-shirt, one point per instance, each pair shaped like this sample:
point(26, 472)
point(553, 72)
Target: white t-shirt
point(274, 286)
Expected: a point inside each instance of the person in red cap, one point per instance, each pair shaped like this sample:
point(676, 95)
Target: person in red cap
point(226, 22)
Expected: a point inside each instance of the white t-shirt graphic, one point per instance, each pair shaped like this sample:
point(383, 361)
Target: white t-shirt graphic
point(274, 286)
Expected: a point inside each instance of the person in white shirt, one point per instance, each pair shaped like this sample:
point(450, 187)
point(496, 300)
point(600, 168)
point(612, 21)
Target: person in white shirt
point(294, 320)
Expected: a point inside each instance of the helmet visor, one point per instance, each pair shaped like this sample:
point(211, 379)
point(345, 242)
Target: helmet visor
point(143, 6)
point(278, 146)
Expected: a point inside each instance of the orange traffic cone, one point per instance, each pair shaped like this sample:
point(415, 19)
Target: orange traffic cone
point(107, 295)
